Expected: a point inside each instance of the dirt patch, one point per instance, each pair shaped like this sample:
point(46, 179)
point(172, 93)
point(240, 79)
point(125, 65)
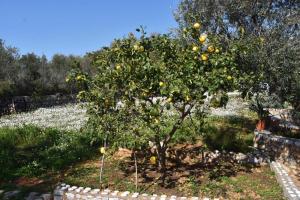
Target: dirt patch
point(187, 175)
point(27, 182)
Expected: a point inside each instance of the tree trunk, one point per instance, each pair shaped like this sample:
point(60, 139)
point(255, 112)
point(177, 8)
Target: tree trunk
point(161, 155)
point(162, 161)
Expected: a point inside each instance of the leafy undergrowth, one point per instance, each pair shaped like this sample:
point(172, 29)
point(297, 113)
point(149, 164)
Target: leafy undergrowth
point(31, 151)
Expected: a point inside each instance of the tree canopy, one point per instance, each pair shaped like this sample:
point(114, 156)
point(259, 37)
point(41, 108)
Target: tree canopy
point(145, 87)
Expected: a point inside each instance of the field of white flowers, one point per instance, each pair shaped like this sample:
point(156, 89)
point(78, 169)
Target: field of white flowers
point(65, 117)
point(73, 116)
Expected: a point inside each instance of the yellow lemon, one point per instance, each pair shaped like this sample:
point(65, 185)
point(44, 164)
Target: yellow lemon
point(210, 49)
point(229, 78)
point(217, 50)
point(202, 38)
point(187, 98)
point(161, 84)
point(204, 57)
point(152, 160)
point(78, 77)
point(102, 150)
point(195, 48)
point(136, 47)
point(118, 67)
point(196, 26)
point(141, 49)
point(169, 100)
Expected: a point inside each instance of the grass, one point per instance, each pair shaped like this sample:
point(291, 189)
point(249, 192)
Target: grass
point(229, 133)
point(31, 151)
point(260, 184)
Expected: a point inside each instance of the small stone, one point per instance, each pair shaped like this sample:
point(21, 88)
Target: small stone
point(32, 195)
point(135, 195)
point(70, 195)
point(46, 196)
point(86, 190)
point(104, 193)
point(124, 194)
point(107, 190)
point(95, 191)
point(10, 194)
point(240, 156)
point(78, 189)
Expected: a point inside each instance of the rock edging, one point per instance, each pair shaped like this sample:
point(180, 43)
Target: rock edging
point(67, 192)
point(290, 191)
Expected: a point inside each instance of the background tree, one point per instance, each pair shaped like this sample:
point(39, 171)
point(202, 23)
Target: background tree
point(30, 74)
point(8, 68)
point(275, 23)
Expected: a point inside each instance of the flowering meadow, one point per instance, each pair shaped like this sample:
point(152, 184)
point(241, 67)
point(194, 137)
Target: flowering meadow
point(65, 117)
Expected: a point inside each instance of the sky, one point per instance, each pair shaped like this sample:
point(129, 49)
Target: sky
point(46, 27)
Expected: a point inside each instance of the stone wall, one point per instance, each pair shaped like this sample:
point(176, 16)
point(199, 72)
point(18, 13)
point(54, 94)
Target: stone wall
point(282, 149)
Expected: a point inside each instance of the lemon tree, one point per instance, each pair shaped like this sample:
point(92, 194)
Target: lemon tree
point(147, 86)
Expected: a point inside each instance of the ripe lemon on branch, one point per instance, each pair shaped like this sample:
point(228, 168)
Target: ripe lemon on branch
point(204, 57)
point(196, 26)
point(211, 49)
point(202, 38)
point(102, 150)
point(195, 48)
point(118, 67)
point(152, 160)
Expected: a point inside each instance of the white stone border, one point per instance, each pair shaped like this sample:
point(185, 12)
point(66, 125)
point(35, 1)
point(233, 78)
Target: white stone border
point(67, 192)
point(290, 190)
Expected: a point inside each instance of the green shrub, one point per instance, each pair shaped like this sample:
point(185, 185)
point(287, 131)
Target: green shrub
point(31, 150)
point(228, 133)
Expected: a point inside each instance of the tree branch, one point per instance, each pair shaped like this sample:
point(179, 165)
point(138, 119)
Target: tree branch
point(175, 126)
